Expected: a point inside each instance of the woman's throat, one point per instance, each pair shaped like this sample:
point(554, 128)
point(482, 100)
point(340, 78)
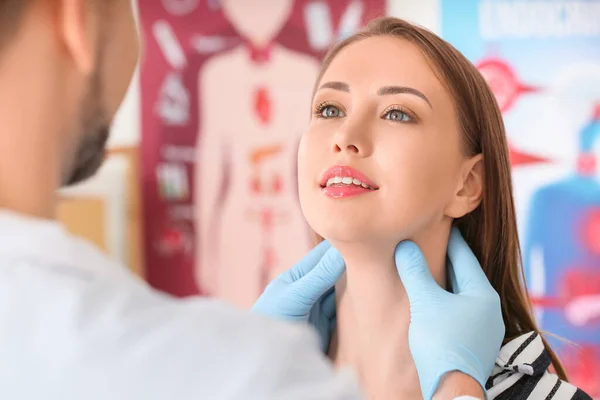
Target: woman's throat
point(371, 337)
point(373, 317)
point(371, 309)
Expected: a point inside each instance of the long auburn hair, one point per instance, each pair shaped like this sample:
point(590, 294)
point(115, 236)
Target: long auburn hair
point(491, 229)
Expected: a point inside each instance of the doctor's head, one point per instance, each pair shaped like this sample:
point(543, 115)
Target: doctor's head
point(67, 65)
point(405, 140)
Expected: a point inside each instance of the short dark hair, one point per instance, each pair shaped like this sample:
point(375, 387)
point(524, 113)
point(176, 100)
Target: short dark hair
point(11, 12)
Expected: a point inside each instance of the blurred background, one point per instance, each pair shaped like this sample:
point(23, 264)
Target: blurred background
point(198, 195)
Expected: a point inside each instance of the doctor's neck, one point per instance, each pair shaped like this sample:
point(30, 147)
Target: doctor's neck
point(30, 146)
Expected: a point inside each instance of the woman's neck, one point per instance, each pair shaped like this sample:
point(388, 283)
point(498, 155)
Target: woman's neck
point(367, 295)
point(373, 311)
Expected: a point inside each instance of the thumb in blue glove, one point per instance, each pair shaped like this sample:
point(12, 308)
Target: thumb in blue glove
point(306, 292)
point(460, 331)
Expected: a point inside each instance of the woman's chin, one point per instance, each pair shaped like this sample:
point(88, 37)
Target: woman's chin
point(355, 239)
point(344, 234)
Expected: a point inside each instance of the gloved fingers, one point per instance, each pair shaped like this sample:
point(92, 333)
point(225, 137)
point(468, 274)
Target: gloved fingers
point(328, 303)
point(467, 272)
point(330, 331)
point(305, 265)
point(323, 276)
point(413, 270)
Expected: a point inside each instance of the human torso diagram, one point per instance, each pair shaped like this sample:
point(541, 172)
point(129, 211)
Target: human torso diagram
point(249, 224)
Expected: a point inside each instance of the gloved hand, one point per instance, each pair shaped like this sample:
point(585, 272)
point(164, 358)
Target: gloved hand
point(305, 293)
point(460, 331)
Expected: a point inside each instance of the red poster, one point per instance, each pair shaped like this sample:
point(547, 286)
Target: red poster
point(226, 89)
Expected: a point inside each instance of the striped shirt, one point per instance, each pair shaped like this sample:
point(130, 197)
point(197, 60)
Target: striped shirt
point(521, 373)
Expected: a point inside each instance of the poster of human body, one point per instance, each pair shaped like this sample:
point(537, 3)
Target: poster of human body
point(226, 88)
point(542, 60)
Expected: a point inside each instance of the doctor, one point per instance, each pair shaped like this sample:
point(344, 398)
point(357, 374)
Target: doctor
point(75, 325)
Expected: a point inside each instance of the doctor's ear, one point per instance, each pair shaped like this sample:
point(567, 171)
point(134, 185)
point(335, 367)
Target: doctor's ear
point(78, 26)
point(469, 190)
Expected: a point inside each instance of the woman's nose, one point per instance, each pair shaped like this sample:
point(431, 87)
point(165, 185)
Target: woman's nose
point(351, 148)
point(353, 143)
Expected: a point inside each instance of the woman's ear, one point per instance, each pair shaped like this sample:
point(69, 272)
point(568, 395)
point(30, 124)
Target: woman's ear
point(469, 189)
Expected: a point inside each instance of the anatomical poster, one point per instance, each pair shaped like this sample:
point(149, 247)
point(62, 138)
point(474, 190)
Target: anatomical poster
point(542, 60)
point(226, 90)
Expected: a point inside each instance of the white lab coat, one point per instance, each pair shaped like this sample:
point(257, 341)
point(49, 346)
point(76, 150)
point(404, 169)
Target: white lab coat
point(75, 325)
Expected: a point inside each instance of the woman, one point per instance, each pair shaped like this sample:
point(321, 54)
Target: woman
point(406, 140)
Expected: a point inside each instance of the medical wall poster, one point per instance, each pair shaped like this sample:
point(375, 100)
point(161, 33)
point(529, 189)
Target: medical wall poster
point(226, 90)
point(542, 60)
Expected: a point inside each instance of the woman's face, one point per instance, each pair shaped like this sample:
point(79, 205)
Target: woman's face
point(381, 119)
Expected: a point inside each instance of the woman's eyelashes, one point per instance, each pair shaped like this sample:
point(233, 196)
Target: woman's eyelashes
point(399, 114)
point(327, 110)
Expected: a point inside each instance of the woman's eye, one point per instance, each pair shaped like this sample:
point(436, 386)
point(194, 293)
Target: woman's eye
point(332, 112)
point(398, 115)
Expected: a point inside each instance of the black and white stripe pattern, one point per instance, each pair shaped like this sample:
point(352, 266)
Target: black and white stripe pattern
point(521, 373)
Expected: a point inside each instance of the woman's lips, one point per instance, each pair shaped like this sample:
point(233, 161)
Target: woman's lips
point(343, 181)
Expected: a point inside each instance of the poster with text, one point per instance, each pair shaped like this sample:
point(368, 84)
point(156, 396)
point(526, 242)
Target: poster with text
point(542, 60)
point(226, 89)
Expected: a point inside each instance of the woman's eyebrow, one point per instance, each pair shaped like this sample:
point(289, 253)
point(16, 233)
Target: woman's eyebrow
point(403, 89)
point(341, 86)
point(383, 91)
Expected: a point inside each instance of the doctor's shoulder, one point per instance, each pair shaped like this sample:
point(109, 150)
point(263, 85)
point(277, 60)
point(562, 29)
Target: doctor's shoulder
point(208, 347)
point(124, 341)
point(205, 348)
point(89, 329)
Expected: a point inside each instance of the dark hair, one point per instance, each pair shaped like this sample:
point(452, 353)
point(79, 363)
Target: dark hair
point(491, 229)
point(11, 13)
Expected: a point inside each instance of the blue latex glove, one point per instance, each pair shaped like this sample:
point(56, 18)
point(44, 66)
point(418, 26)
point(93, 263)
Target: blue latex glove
point(305, 293)
point(460, 331)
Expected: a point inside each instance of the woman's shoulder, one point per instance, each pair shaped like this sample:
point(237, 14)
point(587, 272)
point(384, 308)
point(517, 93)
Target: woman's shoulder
point(521, 373)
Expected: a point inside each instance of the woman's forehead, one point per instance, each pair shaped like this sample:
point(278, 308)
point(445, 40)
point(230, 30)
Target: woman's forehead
point(382, 60)
point(374, 63)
